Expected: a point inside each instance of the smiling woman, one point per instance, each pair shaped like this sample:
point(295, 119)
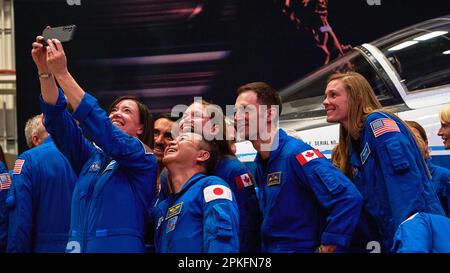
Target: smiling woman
point(133, 117)
point(444, 131)
point(379, 153)
point(116, 176)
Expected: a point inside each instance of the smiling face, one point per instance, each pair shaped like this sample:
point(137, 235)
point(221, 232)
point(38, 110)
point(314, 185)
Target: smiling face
point(444, 133)
point(194, 118)
point(247, 111)
point(125, 116)
point(185, 150)
point(336, 103)
point(162, 137)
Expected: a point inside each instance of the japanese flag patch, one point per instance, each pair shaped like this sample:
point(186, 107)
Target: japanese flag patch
point(18, 166)
point(217, 192)
point(244, 180)
point(308, 155)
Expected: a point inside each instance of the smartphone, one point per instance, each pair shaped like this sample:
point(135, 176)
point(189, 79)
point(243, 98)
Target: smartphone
point(62, 33)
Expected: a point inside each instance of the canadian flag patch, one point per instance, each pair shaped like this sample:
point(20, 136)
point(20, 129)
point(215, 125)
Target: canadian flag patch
point(308, 155)
point(217, 192)
point(244, 181)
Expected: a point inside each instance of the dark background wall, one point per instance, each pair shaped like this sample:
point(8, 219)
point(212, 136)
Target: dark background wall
point(168, 51)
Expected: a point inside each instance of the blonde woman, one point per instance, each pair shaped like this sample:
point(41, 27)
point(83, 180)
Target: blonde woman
point(444, 131)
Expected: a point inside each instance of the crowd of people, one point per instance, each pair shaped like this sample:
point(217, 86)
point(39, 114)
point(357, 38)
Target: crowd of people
point(95, 181)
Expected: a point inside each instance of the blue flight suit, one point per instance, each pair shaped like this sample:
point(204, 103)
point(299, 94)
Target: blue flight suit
point(116, 179)
point(440, 178)
point(195, 220)
point(423, 233)
point(305, 200)
point(232, 171)
point(165, 191)
point(3, 168)
point(3, 212)
point(389, 171)
point(39, 201)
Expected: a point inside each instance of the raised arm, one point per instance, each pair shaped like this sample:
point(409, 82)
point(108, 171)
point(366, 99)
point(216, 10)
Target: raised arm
point(57, 64)
point(58, 122)
point(40, 55)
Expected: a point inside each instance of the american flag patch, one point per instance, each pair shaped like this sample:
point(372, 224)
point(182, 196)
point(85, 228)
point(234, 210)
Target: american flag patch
point(383, 125)
point(18, 166)
point(5, 181)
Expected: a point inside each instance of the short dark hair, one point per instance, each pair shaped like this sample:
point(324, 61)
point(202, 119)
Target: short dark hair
point(167, 116)
point(214, 154)
point(266, 94)
point(145, 118)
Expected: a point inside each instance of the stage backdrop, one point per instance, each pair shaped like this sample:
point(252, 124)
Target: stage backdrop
point(168, 51)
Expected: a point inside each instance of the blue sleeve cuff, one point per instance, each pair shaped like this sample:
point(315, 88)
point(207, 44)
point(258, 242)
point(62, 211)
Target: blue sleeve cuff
point(60, 105)
point(335, 239)
point(85, 107)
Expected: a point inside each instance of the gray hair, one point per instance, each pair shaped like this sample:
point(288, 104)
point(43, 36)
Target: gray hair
point(33, 127)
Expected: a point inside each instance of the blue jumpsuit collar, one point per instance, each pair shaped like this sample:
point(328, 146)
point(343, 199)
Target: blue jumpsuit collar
point(282, 138)
point(48, 139)
point(190, 182)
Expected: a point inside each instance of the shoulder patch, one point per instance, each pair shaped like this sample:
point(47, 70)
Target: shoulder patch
point(214, 192)
point(5, 181)
point(383, 125)
point(308, 155)
point(244, 180)
point(18, 166)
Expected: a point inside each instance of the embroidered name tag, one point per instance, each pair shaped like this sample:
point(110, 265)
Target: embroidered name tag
point(365, 153)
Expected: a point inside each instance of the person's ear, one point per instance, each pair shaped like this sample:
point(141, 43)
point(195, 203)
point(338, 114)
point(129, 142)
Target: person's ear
point(272, 113)
point(35, 140)
point(140, 130)
point(203, 156)
point(215, 130)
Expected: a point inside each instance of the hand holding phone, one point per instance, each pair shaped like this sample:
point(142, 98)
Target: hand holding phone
point(62, 33)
